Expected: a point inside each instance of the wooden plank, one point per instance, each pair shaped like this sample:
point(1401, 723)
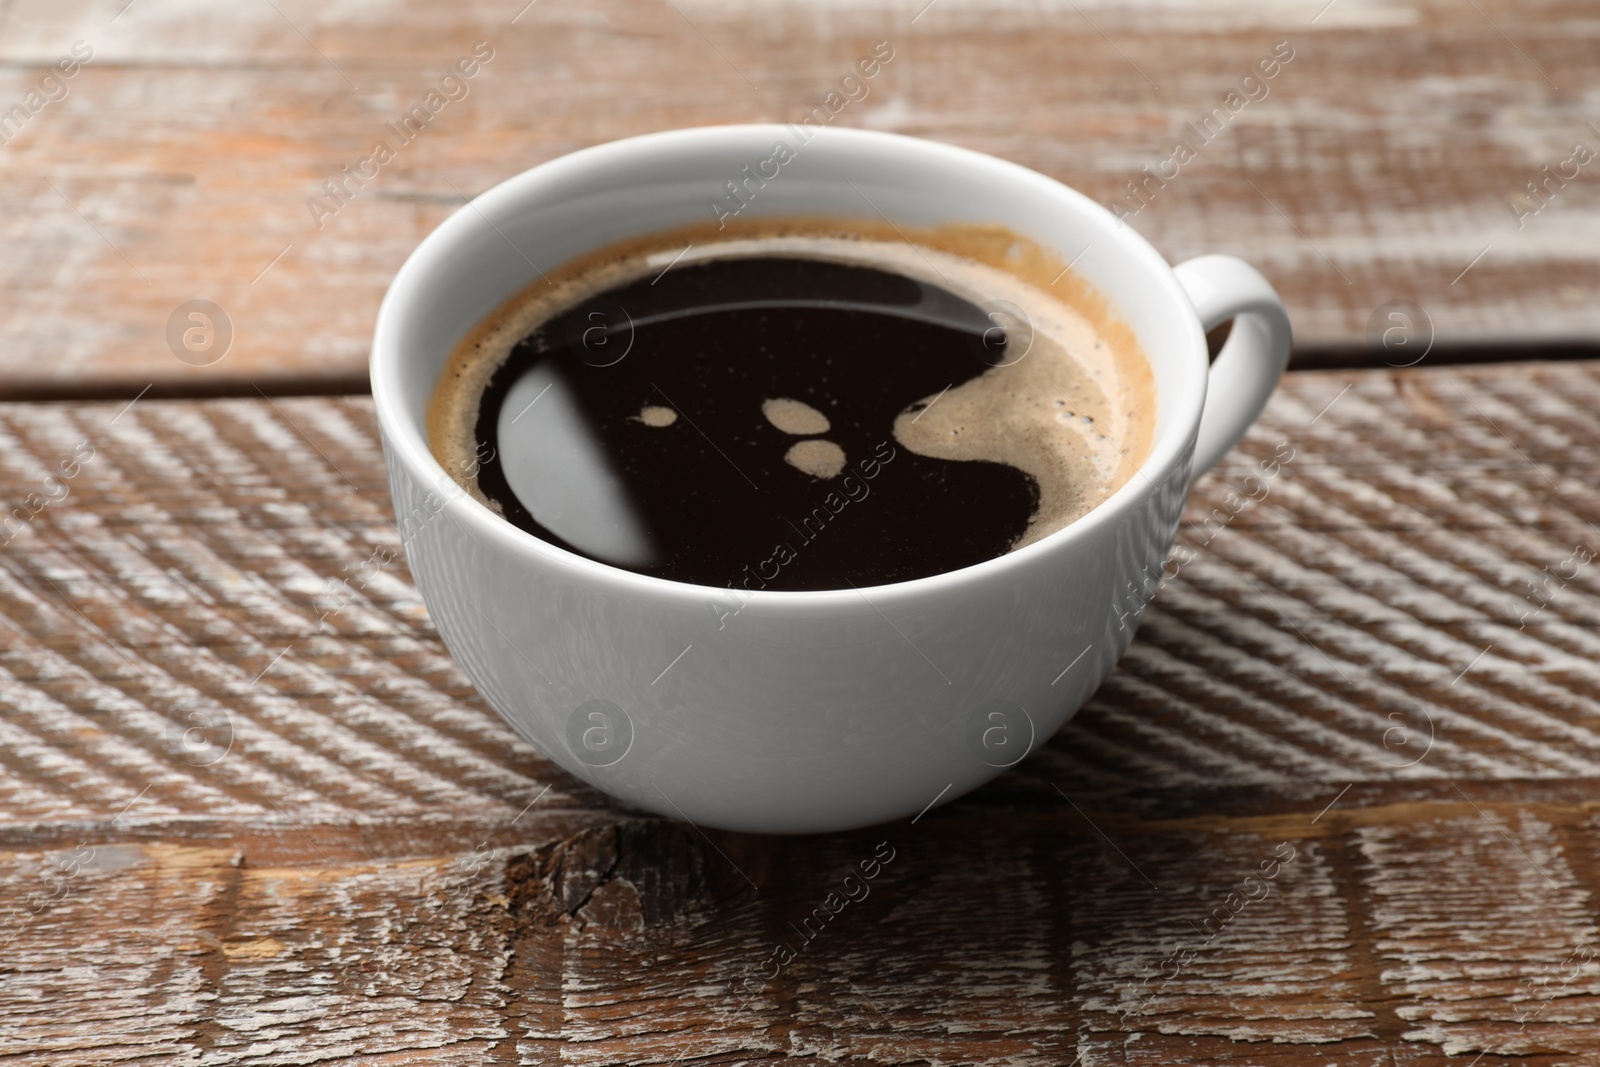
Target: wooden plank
point(1336, 804)
point(992, 936)
point(1379, 165)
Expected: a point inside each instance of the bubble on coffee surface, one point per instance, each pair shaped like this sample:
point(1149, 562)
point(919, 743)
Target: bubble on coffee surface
point(657, 416)
point(794, 416)
point(943, 448)
point(817, 457)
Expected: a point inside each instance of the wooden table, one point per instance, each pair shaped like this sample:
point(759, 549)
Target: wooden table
point(1337, 805)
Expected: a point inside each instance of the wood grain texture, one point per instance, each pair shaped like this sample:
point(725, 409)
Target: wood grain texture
point(1336, 805)
point(1378, 166)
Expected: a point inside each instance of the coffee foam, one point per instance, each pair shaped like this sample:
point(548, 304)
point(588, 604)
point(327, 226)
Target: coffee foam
point(1075, 410)
point(817, 457)
point(794, 416)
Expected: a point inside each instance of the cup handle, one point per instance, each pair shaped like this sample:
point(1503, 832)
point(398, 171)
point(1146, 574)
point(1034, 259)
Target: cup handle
point(1250, 363)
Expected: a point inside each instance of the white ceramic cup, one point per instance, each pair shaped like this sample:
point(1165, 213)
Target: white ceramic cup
point(801, 711)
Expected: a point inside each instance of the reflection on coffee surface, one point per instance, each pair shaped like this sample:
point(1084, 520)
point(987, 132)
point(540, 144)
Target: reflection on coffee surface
point(804, 406)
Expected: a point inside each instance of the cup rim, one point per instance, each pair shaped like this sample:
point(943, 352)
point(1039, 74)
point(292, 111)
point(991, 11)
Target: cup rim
point(407, 440)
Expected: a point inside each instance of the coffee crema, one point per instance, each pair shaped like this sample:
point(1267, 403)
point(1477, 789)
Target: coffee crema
point(804, 404)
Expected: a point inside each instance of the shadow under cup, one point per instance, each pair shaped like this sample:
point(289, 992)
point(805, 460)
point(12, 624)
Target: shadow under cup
point(776, 711)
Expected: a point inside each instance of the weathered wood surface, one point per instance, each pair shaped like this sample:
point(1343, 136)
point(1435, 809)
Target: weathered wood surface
point(1377, 167)
point(226, 837)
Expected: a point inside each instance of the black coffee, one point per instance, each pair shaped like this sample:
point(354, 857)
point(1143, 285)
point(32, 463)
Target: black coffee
point(731, 423)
